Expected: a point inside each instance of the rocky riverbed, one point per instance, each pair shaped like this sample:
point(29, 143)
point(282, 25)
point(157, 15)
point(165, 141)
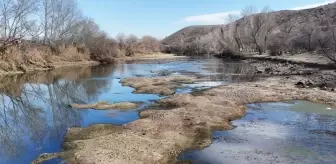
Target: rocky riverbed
point(314, 77)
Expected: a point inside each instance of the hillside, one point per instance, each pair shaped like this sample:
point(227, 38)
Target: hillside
point(290, 31)
point(188, 34)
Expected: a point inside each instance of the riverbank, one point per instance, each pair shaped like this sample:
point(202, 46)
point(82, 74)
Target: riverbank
point(161, 135)
point(148, 57)
point(317, 69)
point(45, 66)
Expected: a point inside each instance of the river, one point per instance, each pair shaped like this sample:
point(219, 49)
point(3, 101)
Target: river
point(35, 112)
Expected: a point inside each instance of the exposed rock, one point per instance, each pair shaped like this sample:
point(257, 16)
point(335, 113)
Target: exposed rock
point(301, 84)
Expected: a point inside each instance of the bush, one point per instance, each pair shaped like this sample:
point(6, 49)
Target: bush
point(274, 50)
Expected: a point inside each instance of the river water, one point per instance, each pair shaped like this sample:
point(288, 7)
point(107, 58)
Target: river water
point(34, 108)
point(35, 113)
point(295, 132)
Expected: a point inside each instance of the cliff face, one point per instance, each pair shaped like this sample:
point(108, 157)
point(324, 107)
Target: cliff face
point(288, 30)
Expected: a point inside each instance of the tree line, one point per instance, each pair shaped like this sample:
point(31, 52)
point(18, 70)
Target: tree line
point(266, 31)
point(53, 22)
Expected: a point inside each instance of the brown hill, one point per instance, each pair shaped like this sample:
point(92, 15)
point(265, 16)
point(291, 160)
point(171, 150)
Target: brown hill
point(286, 31)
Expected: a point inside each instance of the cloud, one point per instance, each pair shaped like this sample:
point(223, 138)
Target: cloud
point(313, 5)
point(216, 18)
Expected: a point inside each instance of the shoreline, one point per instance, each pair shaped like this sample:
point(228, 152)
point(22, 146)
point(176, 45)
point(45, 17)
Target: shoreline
point(164, 134)
point(150, 57)
point(57, 65)
point(316, 61)
point(52, 67)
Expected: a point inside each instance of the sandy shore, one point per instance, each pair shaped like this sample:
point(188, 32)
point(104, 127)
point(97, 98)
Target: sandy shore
point(161, 135)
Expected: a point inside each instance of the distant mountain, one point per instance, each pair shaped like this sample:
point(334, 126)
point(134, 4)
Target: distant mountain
point(291, 29)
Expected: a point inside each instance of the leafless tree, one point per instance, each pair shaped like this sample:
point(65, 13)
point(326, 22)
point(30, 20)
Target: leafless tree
point(84, 31)
point(307, 31)
point(248, 10)
point(269, 26)
point(150, 44)
point(285, 31)
point(254, 31)
point(58, 17)
point(17, 21)
point(327, 47)
point(121, 40)
point(131, 45)
point(326, 39)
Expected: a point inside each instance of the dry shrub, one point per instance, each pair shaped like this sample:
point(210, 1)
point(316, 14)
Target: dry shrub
point(72, 54)
point(274, 49)
point(5, 66)
point(131, 45)
point(31, 57)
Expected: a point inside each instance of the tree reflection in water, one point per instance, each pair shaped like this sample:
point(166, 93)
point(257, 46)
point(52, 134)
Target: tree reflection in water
point(34, 112)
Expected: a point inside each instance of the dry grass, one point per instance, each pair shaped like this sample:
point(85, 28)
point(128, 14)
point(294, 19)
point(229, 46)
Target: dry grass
point(26, 58)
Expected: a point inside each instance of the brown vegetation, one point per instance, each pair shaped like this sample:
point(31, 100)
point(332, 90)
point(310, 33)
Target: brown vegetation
point(37, 33)
point(30, 57)
point(280, 32)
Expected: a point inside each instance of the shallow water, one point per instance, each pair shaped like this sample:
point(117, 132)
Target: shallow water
point(295, 132)
point(35, 113)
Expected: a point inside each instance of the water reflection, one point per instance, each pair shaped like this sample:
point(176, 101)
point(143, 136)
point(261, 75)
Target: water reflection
point(34, 110)
point(295, 132)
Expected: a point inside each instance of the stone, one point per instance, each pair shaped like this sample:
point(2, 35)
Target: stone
point(309, 83)
point(301, 84)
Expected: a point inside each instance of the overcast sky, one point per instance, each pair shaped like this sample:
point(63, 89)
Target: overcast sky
point(161, 18)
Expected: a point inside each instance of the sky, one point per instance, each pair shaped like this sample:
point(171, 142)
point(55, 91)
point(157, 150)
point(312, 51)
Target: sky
point(160, 18)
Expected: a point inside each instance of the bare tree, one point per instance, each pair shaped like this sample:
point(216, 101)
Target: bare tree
point(270, 24)
point(247, 22)
point(285, 31)
point(16, 20)
point(149, 44)
point(248, 10)
point(121, 40)
point(131, 45)
point(327, 47)
point(84, 31)
point(326, 38)
point(58, 17)
point(307, 31)
point(254, 31)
